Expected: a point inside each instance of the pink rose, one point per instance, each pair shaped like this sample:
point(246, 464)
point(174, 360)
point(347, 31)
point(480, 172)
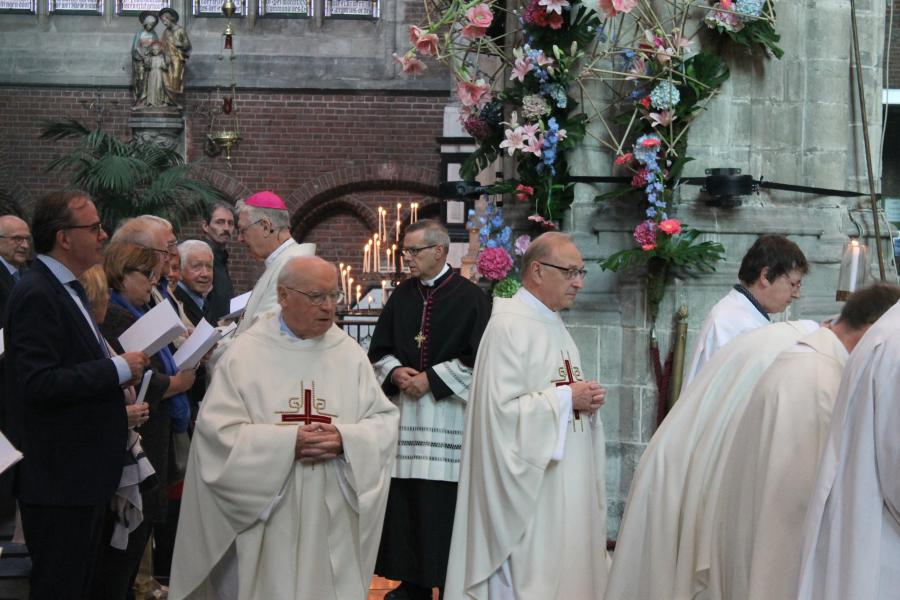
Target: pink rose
point(670, 226)
point(480, 15)
point(624, 159)
point(524, 192)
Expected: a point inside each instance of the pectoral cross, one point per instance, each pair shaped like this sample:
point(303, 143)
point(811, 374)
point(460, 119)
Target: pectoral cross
point(570, 379)
point(419, 339)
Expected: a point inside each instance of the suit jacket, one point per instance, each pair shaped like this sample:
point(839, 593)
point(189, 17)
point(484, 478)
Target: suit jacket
point(219, 298)
point(6, 285)
point(65, 408)
point(194, 313)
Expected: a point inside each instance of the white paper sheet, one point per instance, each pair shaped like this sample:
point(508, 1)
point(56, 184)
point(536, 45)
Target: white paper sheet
point(237, 306)
point(2, 347)
point(145, 383)
point(153, 331)
point(226, 330)
point(195, 347)
point(8, 454)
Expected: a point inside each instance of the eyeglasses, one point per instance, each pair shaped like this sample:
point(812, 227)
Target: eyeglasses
point(415, 251)
point(243, 230)
point(95, 228)
point(18, 240)
point(570, 272)
point(318, 298)
point(150, 274)
point(164, 253)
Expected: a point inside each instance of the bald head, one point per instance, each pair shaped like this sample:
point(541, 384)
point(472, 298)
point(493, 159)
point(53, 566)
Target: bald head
point(15, 240)
point(549, 270)
point(303, 269)
point(307, 288)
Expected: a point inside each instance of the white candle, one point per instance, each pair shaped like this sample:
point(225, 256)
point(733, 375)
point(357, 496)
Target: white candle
point(397, 236)
point(854, 265)
point(394, 255)
point(383, 292)
point(349, 288)
point(398, 215)
point(358, 290)
point(366, 258)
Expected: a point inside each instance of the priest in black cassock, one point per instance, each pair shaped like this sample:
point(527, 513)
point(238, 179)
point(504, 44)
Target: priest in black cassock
point(423, 350)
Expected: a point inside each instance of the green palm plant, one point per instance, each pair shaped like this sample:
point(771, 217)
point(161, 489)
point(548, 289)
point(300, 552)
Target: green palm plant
point(127, 179)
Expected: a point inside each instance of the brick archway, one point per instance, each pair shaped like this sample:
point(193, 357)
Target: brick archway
point(317, 197)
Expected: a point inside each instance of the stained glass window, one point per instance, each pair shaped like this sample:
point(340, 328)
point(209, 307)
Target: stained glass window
point(213, 8)
point(136, 7)
point(93, 7)
point(287, 8)
point(353, 9)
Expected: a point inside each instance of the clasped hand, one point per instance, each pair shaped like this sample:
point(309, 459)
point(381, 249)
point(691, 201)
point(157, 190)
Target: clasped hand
point(587, 396)
point(411, 382)
point(318, 442)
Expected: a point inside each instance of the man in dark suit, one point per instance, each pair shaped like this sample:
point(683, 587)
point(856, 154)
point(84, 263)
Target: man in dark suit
point(218, 227)
point(64, 400)
point(15, 248)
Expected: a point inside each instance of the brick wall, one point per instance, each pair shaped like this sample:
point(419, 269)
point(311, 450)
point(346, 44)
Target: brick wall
point(346, 153)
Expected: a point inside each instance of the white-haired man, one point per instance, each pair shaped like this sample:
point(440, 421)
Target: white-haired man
point(196, 279)
point(291, 458)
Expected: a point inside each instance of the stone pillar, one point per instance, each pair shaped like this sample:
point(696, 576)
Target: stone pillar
point(793, 121)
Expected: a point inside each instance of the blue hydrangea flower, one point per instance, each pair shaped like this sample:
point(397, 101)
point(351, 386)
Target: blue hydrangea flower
point(491, 243)
point(665, 95)
point(751, 8)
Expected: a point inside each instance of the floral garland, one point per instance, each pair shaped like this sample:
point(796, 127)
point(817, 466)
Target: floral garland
point(523, 104)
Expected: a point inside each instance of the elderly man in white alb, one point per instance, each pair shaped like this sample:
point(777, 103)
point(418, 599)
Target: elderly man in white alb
point(291, 458)
point(851, 542)
point(664, 531)
point(769, 472)
point(530, 519)
point(770, 276)
point(263, 226)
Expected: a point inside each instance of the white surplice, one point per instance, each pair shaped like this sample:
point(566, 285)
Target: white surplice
point(251, 514)
point(730, 317)
point(770, 470)
point(531, 509)
point(644, 563)
point(851, 542)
